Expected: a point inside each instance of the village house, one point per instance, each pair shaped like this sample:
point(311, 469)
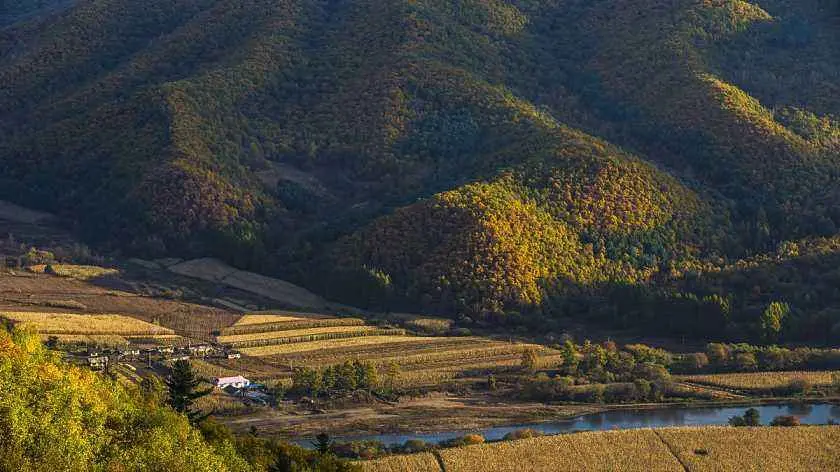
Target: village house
point(233, 355)
point(200, 349)
point(237, 382)
point(97, 362)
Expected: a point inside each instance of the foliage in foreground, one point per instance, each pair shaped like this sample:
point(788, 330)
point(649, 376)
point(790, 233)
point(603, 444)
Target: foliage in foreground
point(57, 417)
point(54, 416)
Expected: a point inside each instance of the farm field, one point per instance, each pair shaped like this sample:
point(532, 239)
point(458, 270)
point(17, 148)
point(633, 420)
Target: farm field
point(111, 340)
point(214, 270)
point(84, 324)
point(275, 344)
point(80, 272)
point(806, 448)
point(265, 318)
point(425, 461)
point(761, 380)
point(51, 293)
point(234, 339)
point(803, 448)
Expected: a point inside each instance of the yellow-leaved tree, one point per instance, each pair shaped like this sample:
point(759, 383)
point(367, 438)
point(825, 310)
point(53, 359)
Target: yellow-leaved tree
point(57, 417)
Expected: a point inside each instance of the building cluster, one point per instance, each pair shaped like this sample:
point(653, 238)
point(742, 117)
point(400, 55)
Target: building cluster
point(163, 356)
point(99, 359)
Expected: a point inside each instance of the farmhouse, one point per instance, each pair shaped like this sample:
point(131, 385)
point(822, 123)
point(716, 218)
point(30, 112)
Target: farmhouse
point(97, 362)
point(200, 349)
point(238, 382)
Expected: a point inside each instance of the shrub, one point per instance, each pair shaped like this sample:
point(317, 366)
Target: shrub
point(465, 440)
point(415, 445)
point(522, 434)
point(785, 420)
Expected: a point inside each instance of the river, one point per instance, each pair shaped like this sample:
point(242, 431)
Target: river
point(808, 413)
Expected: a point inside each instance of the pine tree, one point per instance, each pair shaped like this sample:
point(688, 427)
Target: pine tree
point(182, 384)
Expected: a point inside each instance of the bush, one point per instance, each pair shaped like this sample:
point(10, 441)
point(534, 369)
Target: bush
point(415, 445)
point(465, 440)
point(360, 449)
point(785, 420)
point(522, 434)
point(794, 387)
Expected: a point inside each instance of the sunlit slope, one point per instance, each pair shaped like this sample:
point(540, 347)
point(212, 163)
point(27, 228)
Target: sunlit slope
point(480, 155)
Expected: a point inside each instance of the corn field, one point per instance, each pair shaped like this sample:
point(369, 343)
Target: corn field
point(115, 340)
point(415, 462)
point(407, 355)
point(761, 380)
point(283, 349)
point(352, 333)
point(68, 323)
point(291, 333)
point(804, 448)
point(295, 323)
point(629, 450)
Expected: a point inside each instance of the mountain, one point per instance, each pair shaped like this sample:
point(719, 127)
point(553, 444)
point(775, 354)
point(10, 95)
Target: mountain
point(467, 157)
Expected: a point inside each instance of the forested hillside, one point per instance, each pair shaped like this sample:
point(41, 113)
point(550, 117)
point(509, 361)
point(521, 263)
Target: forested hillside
point(671, 164)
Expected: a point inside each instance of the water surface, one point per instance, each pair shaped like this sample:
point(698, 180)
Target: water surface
point(808, 413)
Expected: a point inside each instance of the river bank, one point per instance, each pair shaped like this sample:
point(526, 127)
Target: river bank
point(441, 413)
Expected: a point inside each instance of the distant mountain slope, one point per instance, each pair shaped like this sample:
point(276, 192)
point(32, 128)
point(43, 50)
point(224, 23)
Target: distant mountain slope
point(12, 11)
point(471, 156)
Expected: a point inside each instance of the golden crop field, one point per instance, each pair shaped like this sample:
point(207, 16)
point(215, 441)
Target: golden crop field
point(283, 342)
point(295, 323)
point(629, 450)
point(80, 272)
point(98, 339)
point(805, 449)
point(761, 380)
point(259, 317)
point(315, 345)
point(415, 462)
point(69, 323)
point(235, 338)
point(115, 340)
point(429, 351)
point(251, 319)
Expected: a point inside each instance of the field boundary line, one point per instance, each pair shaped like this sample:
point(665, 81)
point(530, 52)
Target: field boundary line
point(439, 460)
point(672, 451)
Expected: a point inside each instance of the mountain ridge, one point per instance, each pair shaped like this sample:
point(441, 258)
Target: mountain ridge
point(310, 138)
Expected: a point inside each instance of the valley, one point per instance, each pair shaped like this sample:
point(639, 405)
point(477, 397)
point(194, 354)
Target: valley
point(419, 235)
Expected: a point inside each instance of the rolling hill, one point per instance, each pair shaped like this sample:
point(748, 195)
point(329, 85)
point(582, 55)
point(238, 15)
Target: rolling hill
point(472, 157)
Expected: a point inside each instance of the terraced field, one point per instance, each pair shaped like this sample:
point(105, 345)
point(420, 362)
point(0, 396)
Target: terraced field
point(804, 448)
point(762, 380)
point(117, 340)
point(285, 341)
point(96, 329)
point(83, 324)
